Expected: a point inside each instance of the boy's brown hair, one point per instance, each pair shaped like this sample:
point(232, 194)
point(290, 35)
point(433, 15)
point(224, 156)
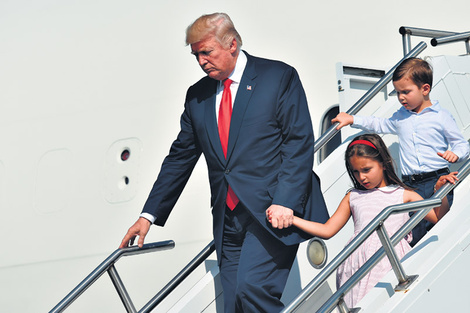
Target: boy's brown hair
point(418, 70)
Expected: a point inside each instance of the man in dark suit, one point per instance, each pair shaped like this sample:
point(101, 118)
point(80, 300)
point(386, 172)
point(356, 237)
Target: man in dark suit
point(264, 166)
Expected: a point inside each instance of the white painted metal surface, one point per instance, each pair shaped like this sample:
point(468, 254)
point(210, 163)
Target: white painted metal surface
point(84, 80)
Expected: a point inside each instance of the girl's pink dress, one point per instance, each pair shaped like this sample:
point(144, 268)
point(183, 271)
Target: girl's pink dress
point(365, 206)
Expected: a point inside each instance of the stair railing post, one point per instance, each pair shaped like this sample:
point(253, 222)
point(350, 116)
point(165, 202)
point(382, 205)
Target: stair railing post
point(121, 289)
point(403, 280)
point(406, 40)
point(342, 307)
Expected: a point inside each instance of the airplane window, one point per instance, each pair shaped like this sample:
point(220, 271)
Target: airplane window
point(335, 141)
point(125, 155)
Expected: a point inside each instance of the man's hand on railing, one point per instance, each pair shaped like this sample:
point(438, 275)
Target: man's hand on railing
point(140, 228)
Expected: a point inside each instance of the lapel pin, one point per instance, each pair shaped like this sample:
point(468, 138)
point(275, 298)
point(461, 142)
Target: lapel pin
point(248, 87)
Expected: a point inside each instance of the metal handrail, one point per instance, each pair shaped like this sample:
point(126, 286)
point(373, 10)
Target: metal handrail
point(438, 37)
point(453, 38)
point(425, 206)
point(407, 32)
point(108, 266)
point(201, 257)
point(422, 207)
point(331, 132)
point(423, 32)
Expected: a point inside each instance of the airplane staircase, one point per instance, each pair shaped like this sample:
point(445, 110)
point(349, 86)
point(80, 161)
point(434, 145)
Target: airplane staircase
point(435, 268)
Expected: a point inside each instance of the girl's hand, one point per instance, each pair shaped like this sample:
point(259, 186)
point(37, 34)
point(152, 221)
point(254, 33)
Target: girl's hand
point(451, 178)
point(279, 216)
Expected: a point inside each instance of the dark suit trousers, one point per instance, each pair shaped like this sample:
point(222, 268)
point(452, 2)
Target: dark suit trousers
point(254, 266)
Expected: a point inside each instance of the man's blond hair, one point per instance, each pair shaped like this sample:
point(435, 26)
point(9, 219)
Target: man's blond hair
point(218, 25)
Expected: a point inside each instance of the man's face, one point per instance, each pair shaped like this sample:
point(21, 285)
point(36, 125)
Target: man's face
point(215, 60)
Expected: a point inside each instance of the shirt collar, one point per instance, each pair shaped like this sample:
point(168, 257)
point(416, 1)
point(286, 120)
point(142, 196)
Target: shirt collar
point(236, 75)
point(436, 107)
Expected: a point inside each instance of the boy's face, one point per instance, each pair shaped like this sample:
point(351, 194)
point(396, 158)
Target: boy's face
point(411, 96)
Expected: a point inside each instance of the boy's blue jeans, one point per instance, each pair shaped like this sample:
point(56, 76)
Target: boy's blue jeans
point(425, 188)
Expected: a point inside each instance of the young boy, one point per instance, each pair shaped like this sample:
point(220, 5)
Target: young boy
point(425, 132)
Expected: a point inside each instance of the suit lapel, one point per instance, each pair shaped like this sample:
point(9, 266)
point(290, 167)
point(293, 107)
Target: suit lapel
point(211, 123)
point(242, 100)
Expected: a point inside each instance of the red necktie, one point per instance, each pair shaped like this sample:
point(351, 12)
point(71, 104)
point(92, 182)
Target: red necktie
point(225, 114)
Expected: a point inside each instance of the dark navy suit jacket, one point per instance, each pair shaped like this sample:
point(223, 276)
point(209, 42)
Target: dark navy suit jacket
point(269, 154)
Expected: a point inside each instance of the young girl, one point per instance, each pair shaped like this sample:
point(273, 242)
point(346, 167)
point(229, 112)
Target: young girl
point(376, 186)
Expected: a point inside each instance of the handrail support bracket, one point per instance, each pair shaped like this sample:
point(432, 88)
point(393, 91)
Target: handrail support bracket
point(405, 285)
point(404, 281)
point(343, 308)
point(121, 290)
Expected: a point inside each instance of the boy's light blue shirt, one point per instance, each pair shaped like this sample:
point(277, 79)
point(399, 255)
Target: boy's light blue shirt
point(421, 136)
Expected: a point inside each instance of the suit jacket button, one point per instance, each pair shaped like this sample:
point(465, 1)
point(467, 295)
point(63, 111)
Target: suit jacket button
point(227, 171)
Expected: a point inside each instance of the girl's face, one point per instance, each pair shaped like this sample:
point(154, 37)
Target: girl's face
point(368, 172)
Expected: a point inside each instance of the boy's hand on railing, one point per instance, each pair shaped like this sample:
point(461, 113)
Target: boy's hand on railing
point(140, 228)
point(343, 119)
point(451, 178)
point(449, 156)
